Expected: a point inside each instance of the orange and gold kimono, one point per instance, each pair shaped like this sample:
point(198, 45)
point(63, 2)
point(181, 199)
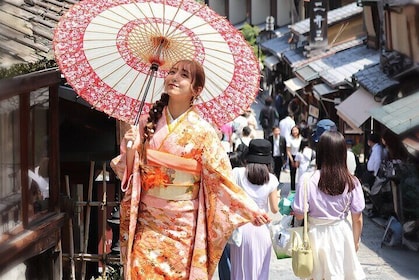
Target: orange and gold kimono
point(176, 217)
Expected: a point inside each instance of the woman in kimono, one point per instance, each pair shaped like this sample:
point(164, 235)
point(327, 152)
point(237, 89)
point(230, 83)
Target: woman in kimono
point(180, 203)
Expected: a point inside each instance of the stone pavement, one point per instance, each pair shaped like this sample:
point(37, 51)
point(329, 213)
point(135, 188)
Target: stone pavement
point(381, 263)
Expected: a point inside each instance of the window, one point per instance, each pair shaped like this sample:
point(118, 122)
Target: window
point(10, 193)
point(24, 157)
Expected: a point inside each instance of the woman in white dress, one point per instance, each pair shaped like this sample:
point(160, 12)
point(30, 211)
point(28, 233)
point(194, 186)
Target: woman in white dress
point(304, 160)
point(251, 260)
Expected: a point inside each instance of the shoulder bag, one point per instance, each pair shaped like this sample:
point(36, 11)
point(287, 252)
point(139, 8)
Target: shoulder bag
point(302, 255)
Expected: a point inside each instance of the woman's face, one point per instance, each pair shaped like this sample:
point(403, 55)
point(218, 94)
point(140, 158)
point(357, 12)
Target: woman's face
point(178, 83)
point(295, 131)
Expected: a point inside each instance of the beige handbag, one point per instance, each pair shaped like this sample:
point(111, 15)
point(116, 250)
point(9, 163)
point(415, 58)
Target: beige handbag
point(302, 255)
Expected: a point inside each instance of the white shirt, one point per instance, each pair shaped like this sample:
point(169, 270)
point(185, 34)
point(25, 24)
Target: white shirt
point(259, 193)
point(239, 123)
point(351, 162)
point(304, 159)
point(294, 144)
point(276, 151)
point(244, 139)
point(374, 160)
point(285, 125)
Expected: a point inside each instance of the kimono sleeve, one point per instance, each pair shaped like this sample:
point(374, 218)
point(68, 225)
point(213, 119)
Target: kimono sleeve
point(229, 202)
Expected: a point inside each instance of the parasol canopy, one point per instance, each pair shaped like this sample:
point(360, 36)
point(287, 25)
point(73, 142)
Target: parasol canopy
point(116, 53)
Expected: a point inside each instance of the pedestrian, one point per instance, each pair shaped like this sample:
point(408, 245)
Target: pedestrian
point(286, 124)
point(376, 154)
point(251, 260)
point(374, 159)
point(332, 192)
point(293, 145)
point(351, 158)
point(227, 136)
point(243, 140)
point(304, 159)
point(179, 205)
point(251, 121)
point(267, 117)
point(238, 124)
point(280, 106)
point(279, 151)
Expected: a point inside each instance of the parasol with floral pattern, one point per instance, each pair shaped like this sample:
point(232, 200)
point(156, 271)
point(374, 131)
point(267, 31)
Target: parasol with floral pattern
point(116, 53)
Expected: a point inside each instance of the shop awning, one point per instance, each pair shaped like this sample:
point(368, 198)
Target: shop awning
point(271, 62)
point(294, 85)
point(401, 115)
point(321, 89)
point(355, 109)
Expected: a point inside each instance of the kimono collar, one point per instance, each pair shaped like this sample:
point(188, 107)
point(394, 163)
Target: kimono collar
point(172, 123)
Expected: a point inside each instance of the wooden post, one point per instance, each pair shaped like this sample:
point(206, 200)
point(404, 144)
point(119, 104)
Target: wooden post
point(87, 221)
point(104, 214)
point(70, 226)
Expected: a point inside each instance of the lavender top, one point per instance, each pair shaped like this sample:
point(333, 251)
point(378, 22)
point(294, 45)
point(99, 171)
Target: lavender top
point(324, 206)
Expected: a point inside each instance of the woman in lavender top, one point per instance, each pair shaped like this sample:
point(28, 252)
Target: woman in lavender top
point(332, 192)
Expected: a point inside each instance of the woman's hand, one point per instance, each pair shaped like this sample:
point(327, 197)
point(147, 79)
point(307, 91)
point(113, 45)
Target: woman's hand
point(130, 136)
point(261, 219)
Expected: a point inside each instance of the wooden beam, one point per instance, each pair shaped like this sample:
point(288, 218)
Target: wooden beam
point(33, 241)
point(29, 82)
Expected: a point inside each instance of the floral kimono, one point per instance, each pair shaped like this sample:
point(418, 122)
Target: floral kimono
point(176, 217)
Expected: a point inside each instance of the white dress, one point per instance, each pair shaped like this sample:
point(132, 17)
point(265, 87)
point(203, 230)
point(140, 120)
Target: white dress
point(304, 158)
point(252, 259)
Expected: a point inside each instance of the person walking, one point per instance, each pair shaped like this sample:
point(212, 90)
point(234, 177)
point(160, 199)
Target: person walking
point(375, 158)
point(267, 117)
point(293, 145)
point(304, 160)
point(350, 157)
point(180, 204)
point(285, 125)
point(279, 151)
point(332, 192)
point(251, 260)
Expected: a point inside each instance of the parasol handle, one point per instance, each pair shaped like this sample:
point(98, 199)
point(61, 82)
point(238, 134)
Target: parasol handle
point(153, 68)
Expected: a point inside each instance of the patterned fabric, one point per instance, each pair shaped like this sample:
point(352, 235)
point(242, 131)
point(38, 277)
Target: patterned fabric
point(180, 239)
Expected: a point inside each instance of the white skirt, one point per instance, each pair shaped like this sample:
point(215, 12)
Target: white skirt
point(334, 252)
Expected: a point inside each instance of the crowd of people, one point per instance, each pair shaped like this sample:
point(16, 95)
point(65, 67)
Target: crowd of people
point(188, 187)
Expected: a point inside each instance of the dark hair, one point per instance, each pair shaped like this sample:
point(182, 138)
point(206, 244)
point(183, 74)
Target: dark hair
point(246, 131)
point(236, 159)
point(331, 160)
point(374, 138)
point(197, 81)
point(268, 101)
point(257, 173)
point(304, 143)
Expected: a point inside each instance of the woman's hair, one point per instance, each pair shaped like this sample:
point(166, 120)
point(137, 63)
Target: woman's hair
point(331, 160)
point(197, 81)
point(304, 143)
point(257, 173)
point(246, 131)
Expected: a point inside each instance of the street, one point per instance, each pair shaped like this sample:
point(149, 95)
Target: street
point(384, 263)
